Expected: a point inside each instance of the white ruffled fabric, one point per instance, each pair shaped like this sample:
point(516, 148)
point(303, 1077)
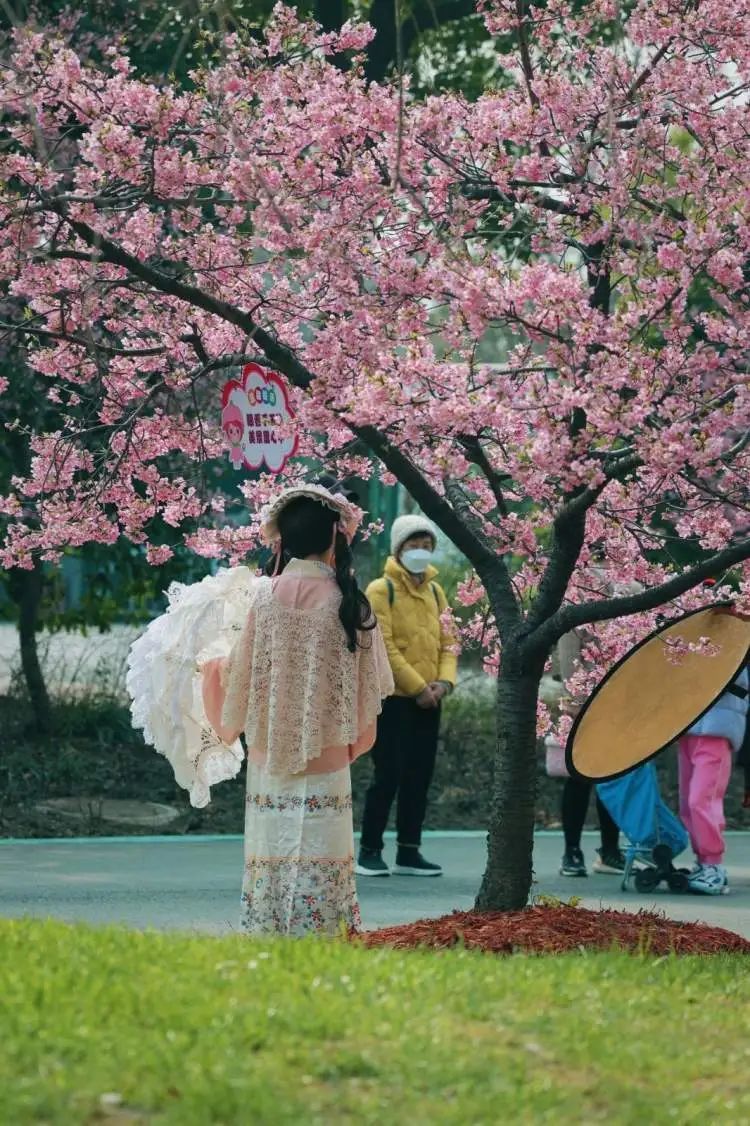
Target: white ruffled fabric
point(202, 621)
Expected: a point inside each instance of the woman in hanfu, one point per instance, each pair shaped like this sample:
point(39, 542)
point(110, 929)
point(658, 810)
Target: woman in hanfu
point(304, 682)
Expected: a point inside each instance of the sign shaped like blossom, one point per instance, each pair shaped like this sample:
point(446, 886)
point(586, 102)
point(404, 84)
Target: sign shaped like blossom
point(256, 417)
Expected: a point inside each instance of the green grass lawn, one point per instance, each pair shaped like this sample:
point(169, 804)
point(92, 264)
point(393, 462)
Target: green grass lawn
point(114, 1026)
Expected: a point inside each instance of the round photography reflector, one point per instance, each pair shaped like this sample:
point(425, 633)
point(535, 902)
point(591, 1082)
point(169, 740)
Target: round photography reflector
point(647, 699)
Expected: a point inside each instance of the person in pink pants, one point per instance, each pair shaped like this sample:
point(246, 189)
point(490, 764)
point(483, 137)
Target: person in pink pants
point(705, 760)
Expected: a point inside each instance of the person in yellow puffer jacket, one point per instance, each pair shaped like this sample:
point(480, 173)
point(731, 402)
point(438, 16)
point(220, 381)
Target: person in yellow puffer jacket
point(409, 605)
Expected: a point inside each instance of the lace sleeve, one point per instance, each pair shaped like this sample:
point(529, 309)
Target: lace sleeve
point(235, 677)
point(380, 665)
point(375, 683)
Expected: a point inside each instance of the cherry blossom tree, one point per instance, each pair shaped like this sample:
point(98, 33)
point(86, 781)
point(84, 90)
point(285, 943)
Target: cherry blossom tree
point(530, 309)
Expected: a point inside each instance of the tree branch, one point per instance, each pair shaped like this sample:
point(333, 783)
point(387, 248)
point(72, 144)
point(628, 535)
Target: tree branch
point(569, 533)
point(648, 70)
point(283, 359)
point(494, 573)
point(478, 552)
point(477, 456)
point(72, 338)
point(526, 64)
point(476, 549)
point(573, 616)
point(479, 190)
point(108, 251)
point(568, 537)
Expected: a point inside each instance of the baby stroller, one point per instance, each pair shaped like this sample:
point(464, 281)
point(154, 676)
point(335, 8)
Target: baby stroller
point(656, 835)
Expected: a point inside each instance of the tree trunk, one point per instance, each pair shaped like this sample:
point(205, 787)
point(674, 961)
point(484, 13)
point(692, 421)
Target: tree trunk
point(507, 879)
point(27, 588)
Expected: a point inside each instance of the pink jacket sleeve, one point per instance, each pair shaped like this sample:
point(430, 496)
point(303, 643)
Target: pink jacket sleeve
point(213, 674)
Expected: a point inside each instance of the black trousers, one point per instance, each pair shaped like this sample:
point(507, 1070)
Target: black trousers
point(575, 803)
point(403, 760)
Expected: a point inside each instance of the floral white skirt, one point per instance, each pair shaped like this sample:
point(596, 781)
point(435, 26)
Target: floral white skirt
point(299, 859)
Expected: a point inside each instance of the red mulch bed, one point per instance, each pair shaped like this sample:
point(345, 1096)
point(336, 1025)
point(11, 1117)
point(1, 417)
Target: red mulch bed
point(555, 929)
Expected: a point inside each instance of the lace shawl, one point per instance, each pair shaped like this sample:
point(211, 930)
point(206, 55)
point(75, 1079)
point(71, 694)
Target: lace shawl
point(293, 686)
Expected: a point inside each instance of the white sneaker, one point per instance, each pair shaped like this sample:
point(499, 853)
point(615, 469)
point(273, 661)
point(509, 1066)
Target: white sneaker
point(709, 879)
point(609, 863)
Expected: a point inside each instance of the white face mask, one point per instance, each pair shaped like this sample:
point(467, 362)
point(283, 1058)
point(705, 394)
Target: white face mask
point(417, 560)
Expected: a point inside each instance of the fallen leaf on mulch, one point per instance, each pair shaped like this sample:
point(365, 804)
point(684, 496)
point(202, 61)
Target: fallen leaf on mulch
point(555, 929)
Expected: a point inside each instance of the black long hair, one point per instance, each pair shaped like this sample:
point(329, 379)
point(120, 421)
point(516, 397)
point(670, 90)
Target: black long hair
point(306, 528)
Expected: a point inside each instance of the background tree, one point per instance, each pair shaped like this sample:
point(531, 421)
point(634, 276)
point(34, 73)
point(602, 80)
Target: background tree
point(170, 37)
point(119, 584)
point(22, 404)
point(497, 298)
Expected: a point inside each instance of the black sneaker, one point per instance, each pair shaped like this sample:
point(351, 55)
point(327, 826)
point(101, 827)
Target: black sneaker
point(410, 862)
point(609, 863)
point(371, 863)
point(573, 863)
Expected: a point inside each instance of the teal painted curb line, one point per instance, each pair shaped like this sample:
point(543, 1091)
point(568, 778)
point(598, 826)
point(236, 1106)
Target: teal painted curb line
point(208, 838)
point(188, 838)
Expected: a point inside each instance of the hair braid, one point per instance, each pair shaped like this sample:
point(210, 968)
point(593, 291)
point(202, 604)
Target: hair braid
point(355, 610)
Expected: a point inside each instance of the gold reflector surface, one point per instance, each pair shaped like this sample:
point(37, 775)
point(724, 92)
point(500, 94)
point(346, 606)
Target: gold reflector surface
point(647, 700)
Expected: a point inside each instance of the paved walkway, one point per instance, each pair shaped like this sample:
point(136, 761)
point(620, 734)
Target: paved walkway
point(192, 883)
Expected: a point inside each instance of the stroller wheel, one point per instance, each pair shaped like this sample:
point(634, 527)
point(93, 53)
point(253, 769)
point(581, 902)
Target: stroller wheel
point(647, 879)
point(663, 856)
point(678, 881)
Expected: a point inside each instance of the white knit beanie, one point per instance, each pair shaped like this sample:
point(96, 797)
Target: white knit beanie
point(404, 527)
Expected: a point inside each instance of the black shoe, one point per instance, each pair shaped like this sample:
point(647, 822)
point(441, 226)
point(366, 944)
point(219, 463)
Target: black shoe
point(410, 862)
point(573, 863)
point(371, 863)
